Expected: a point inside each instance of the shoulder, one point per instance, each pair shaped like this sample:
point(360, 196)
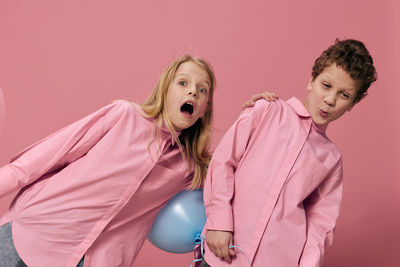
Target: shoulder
point(264, 109)
point(259, 107)
point(123, 110)
point(263, 105)
point(122, 107)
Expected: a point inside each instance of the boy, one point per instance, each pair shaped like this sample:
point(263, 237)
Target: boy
point(274, 184)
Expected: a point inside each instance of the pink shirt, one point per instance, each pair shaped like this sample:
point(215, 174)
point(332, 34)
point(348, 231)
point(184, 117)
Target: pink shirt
point(275, 180)
point(91, 189)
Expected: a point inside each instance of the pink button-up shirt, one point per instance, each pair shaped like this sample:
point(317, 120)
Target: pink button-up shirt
point(91, 189)
point(275, 180)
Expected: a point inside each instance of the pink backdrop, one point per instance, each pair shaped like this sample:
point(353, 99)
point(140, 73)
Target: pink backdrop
point(60, 60)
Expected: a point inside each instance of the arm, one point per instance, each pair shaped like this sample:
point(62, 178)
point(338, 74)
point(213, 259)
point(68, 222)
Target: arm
point(55, 151)
point(322, 209)
point(219, 185)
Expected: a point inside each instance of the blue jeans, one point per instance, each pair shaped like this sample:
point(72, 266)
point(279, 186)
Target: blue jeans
point(8, 254)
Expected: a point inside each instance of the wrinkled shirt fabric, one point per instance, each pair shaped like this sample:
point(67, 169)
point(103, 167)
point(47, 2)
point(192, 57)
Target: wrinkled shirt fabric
point(92, 189)
point(275, 181)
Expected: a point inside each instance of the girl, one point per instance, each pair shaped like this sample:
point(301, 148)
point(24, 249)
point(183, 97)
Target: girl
point(94, 188)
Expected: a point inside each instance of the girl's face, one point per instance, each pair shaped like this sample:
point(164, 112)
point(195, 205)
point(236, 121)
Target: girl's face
point(331, 94)
point(187, 96)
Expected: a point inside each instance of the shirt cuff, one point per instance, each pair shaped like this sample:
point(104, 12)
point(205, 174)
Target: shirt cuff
point(221, 220)
point(8, 180)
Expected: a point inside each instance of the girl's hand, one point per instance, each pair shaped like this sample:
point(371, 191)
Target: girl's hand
point(266, 95)
point(218, 242)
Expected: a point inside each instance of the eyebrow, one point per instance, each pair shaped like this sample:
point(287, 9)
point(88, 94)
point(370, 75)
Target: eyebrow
point(186, 74)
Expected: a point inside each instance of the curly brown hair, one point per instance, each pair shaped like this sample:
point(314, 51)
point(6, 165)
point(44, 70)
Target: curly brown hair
point(353, 57)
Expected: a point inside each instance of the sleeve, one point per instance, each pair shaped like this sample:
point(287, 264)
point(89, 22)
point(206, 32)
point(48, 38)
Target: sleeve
point(56, 150)
point(219, 184)
point(322, 209)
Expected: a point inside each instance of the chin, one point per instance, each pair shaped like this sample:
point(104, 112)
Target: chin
point(320, 122)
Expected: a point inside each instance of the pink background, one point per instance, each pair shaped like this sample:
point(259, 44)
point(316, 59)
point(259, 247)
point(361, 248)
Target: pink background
point(2, 112)
point(60, 60)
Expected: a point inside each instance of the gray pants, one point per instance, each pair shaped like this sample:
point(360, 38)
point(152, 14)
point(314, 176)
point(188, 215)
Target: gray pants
point(8, 254)
point(204, 264)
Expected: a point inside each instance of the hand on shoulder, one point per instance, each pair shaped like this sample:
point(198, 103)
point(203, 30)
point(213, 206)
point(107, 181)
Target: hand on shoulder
point(265, 95)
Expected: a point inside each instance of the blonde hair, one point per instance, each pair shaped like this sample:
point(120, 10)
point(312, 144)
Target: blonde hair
point(196, 138)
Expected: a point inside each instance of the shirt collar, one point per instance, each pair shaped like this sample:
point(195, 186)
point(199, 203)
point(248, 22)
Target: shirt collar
point(165, 129)
point(301, 110)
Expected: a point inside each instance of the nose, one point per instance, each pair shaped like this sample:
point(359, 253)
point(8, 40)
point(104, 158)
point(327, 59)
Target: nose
point(193, 91)
point(330, 99)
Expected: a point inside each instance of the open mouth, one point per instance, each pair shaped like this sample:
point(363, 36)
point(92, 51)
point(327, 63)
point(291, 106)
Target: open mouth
point(187, 108)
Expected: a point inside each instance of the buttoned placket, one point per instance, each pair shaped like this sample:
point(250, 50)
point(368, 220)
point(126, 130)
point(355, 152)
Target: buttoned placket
point(271, 201)
point(166, 144)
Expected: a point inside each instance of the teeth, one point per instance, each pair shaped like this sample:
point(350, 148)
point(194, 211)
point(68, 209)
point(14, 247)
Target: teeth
point(189, 103)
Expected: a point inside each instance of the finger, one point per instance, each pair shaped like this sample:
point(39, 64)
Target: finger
point(270, 97)
point(231, 250)
point(216, 249)
point(270, 94)
point(218, 253)
point(257, 96)
point(267, 96)
point(212, 248)
point(274, 96)
point(222, 254)
point(248, 104)
point(225, 254)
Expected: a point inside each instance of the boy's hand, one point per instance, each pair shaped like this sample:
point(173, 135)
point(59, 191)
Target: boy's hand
point(218, 242)
point(266, 95)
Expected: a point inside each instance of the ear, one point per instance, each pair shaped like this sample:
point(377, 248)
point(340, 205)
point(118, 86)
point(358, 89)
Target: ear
point(309, 85)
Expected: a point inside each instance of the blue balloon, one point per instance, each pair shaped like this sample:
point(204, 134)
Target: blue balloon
point(179, 222)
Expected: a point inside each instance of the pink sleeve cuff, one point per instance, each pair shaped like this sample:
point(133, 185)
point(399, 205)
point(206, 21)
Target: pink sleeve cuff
point(220, 220)
point(8, 180)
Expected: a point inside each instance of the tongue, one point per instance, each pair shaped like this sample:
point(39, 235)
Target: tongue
point(186, 112)
point(187, 109)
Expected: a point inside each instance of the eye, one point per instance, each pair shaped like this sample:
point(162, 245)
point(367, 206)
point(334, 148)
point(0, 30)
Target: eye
point(345, 95)
point(326, 85)
point(203, 90)
point(183, 83)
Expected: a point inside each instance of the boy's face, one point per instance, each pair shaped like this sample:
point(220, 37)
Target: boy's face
point(187, 96)
point(331, 94)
